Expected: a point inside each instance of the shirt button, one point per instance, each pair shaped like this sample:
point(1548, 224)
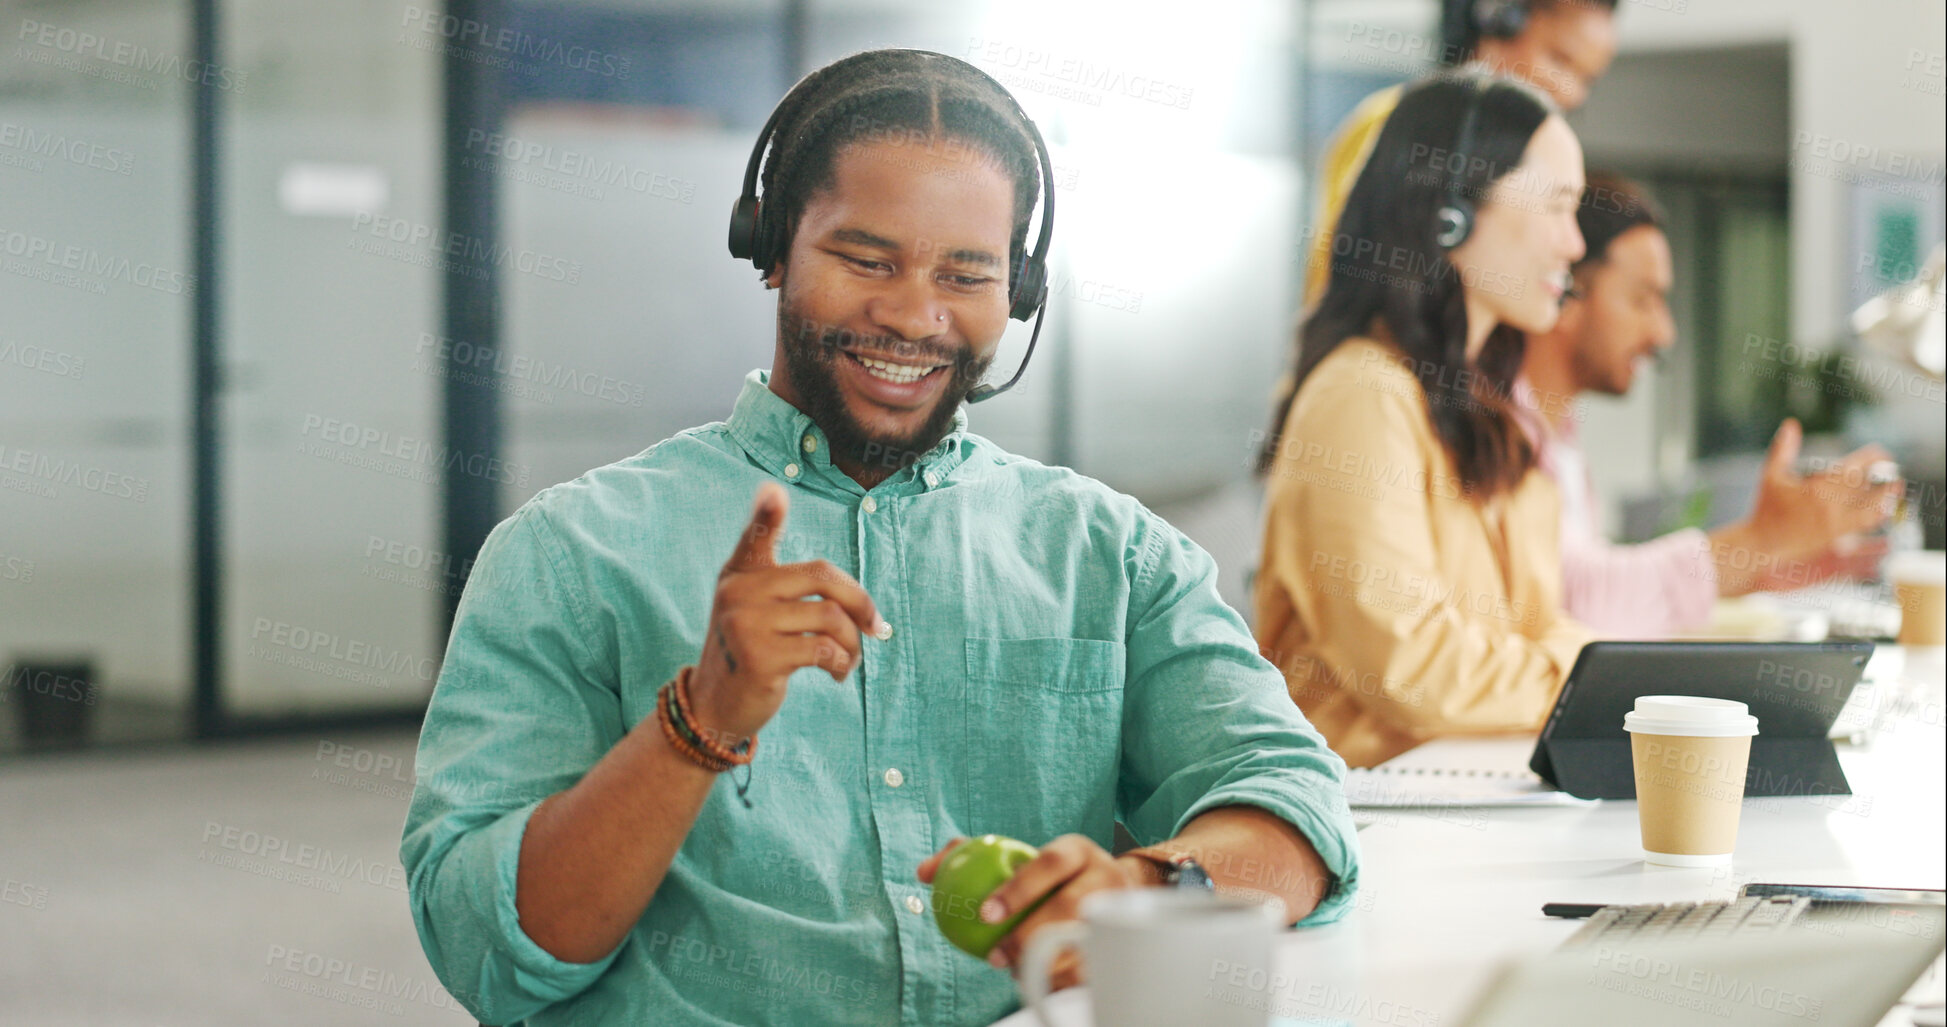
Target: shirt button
point(883, 632)
point(811, 443)
point(932, 480)
point(914, 905)
point(870, 505)
point(894, 778)
point(790, 470)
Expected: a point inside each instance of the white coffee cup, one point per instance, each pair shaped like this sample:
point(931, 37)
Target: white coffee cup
point(1164, 956)
point(1690, 755)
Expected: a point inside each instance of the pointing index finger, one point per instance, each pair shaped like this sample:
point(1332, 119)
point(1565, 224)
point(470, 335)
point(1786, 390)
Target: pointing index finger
point(758, 545)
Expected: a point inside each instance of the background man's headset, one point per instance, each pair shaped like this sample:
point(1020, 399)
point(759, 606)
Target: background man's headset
point(1027, 287)
point(1491, 19)
point(1500, 19)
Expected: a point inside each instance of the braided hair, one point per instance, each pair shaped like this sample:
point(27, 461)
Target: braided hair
point(898, 96)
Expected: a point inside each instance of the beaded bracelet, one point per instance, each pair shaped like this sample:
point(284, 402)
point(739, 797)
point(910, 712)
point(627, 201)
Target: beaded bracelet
point(742, 754)
point(667, 716)
point(672, 713)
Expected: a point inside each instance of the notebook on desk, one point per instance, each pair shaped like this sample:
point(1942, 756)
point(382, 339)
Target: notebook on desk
point(1449, 772)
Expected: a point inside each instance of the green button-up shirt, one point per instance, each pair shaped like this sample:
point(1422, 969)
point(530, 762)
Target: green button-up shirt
point(1059, 661)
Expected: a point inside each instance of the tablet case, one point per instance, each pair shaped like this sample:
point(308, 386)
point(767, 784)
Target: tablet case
point(1795, 689)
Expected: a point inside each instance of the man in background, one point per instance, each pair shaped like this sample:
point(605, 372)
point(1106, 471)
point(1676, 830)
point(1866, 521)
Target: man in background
point(1801, 529)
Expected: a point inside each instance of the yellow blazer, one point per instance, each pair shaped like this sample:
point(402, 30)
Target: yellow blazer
point(1399, 607)
point(1345, 156)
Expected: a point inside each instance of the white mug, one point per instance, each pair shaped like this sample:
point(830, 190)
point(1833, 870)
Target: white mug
point(1161, 956)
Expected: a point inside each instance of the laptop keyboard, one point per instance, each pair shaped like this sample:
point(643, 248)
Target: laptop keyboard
point(1750, 915)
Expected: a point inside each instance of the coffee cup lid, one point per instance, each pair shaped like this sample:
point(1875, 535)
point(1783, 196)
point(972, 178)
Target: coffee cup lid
point(1690, 715)
point(1916, 567)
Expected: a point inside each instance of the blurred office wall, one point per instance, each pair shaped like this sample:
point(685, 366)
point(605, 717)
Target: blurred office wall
point(95, 281)
point(333, 449)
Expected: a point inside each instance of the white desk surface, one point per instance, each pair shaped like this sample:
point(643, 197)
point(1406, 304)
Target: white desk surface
point(1446, 895)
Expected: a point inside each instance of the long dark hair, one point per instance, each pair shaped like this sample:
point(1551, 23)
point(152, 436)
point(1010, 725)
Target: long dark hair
point(1388, 267)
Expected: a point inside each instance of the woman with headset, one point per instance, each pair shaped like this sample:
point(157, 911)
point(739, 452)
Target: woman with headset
point(1410, 583)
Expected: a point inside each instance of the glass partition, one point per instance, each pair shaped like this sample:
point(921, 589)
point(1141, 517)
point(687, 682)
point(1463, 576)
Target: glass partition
point(95, 280)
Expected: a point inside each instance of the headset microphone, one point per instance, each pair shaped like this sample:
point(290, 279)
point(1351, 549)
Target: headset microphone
point(1028, 286)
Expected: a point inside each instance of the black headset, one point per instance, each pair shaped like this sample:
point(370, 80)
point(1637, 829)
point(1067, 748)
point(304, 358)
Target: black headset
point(1028, 283)
point(1500, 19)
point(1455, 218)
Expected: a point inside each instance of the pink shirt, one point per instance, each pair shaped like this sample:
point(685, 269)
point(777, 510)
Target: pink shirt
point(1649, 590)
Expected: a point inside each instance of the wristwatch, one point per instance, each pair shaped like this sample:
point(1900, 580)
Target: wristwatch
point(1178, 871)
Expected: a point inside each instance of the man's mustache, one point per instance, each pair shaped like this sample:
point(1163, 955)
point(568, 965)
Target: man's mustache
point(845, 340)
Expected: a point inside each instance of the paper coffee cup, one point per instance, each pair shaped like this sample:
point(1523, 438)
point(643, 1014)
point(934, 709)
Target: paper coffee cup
point(1920, 581)
point(1690, 754)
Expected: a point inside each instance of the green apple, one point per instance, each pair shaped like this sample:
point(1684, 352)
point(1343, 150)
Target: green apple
point(963, 881)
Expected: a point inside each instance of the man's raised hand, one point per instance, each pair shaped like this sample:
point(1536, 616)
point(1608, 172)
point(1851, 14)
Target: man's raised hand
point(768, 621)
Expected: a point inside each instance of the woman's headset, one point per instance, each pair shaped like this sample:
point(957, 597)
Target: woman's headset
point(1455, 218)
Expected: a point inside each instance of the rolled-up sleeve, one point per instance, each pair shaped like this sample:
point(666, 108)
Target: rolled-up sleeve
point(1208, 723)
point(519, 713)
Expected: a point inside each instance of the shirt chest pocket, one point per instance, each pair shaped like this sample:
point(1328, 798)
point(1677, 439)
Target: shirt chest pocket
point(1044, 736)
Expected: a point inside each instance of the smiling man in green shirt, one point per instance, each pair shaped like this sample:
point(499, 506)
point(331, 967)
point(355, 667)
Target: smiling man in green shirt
point(912, 635)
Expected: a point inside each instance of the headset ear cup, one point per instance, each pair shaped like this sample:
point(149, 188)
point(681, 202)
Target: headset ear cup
point(1456, 220)
point(743, 228)
point(1500, 19)
point(1030, 290)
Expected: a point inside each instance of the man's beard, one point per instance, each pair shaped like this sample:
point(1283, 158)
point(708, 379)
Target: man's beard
point(1598, 377)
point(812, 352)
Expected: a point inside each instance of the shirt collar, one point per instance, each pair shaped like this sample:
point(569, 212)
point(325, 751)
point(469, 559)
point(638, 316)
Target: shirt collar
point(785, 441)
